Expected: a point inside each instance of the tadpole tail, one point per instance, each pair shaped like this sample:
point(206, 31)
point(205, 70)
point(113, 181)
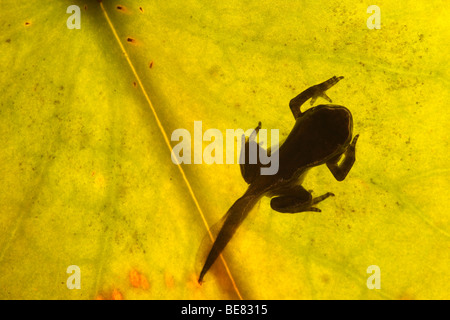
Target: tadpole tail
point(234, 217)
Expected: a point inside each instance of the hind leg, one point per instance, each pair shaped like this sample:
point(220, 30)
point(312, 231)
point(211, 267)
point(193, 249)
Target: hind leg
point(297, 199)
point(249, 158)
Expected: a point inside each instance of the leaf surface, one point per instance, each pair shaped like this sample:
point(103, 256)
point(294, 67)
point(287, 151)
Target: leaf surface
point(87, 177)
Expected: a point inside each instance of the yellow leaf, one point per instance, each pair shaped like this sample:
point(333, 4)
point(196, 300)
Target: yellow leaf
point(86, 117)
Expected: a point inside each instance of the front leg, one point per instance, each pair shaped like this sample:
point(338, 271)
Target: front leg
point(340, 170)
point(297, 199)
point(312, 92)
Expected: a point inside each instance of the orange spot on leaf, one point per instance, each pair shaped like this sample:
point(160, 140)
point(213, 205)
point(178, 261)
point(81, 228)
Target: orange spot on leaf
point(170, 282)
point(194, 281)
point(116, 295)
point(138, 280)
point(135, 279)
point(144, 283)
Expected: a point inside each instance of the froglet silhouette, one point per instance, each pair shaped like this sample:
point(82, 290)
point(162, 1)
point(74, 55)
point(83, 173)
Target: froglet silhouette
point(321, 135)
